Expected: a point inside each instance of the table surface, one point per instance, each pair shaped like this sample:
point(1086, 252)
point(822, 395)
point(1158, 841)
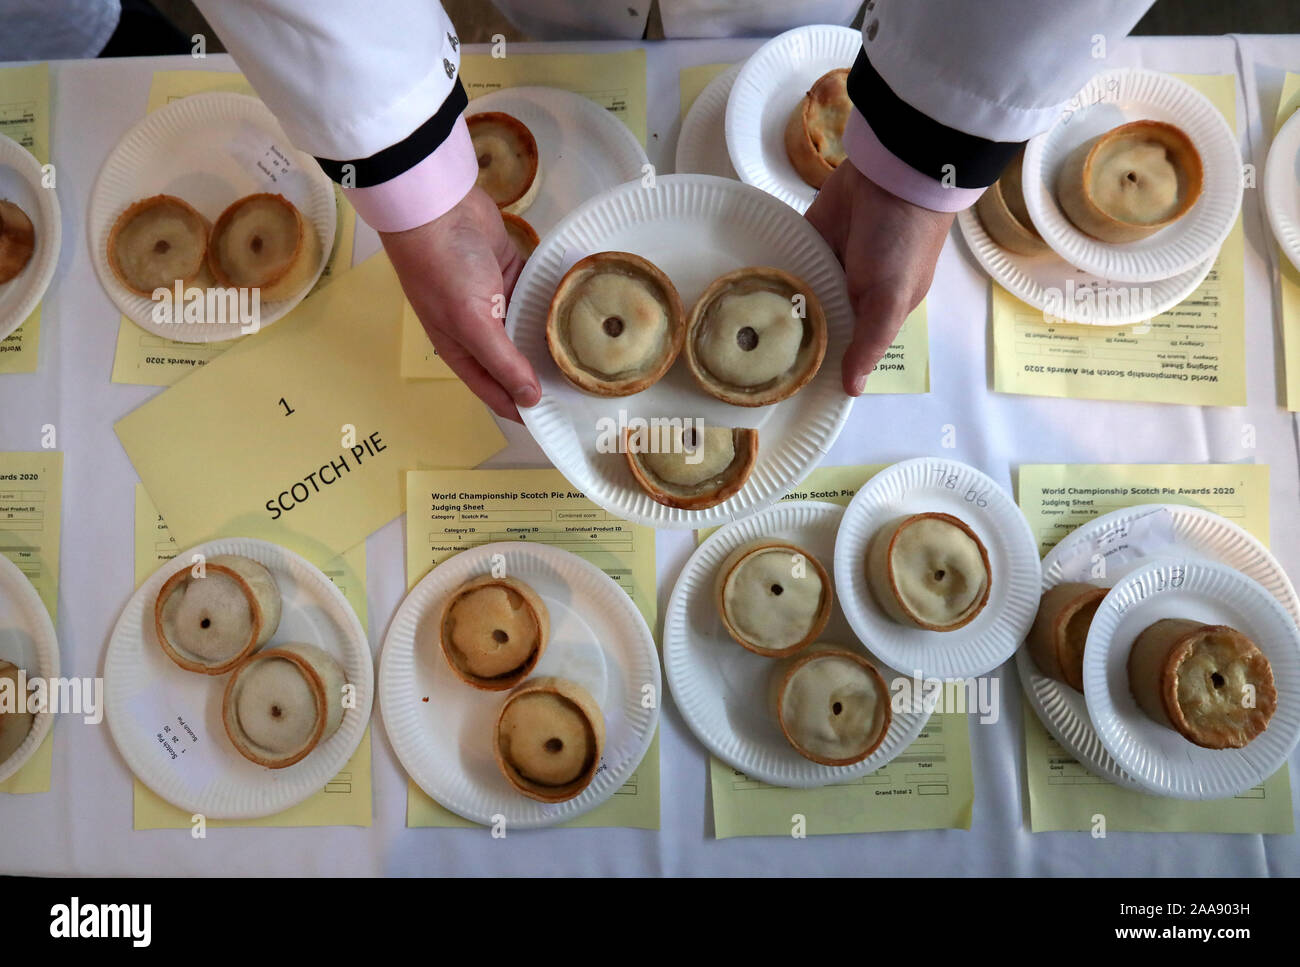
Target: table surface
point(84, 825)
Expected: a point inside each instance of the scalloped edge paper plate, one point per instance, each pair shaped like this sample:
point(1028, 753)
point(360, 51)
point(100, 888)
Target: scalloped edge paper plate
point(23, 613)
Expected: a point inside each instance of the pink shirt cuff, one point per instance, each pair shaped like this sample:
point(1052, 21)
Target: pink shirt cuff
point(422, 193)
point(896, 176)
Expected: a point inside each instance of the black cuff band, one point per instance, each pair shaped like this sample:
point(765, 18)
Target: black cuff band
point(388, 163)
point(920, 140)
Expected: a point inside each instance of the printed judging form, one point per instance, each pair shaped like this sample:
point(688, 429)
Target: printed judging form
point(1064, 795)
point(450, 510)
point(930, 785)
point(25, 117)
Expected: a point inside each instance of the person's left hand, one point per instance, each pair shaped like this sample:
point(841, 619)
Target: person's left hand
point(888, 248)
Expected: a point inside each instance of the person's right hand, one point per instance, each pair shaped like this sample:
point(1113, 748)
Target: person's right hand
point(455, 270)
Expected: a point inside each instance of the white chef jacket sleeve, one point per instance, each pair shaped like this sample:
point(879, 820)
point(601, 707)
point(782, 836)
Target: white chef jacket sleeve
point(370, 89)
point(947, 91)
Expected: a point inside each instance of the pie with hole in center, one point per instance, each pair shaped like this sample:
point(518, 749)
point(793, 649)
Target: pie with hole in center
point(17, 240)
point(1130, 181)
point(156, 243)
point(263, 242)
point(833, 706)
point(756, 336)
point(615, 324)
point(493, 631)
point(774, 597)
point(211, 623)
point(929, 571)
point(691, 467)
point(815, 132)
point(509, 167)
point(282, 703)
point(1209, 683)
point(1060, 630)
point(549, 738)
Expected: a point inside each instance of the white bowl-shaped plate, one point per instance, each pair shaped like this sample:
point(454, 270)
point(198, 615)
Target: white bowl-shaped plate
point(699, 149)
point(932, 484)
point(209, 150)
point(725, 692)
point(695, 228)
point(582, 148)
point(1158, 758)
point(1104, 550)
point(767, 90)
point(148, 695)
point(1282, 188)
point(1109, 100)
point(27, 640)
point(441, 728)
point(20, 183)
point(1066, 294)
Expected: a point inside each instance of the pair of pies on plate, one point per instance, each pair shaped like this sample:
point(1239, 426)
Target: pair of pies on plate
point(756, 336)
point(831, 703)
point(17, 241)
point(1209, 683)
point(1121, 186)
point(259, 242)
point(281, 702)
point(509, 170)
point(550, 733)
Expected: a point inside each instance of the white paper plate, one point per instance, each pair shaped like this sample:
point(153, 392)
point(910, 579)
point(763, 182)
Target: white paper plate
point(723, 690)
point(767, 90)
point(26, 639)
point(700, 149)
point(1282, 188)
point(146, 692)
point(209, 150)
point(695, 228)
point(1158, 758)
point(1109, 100)
point(1051, 284)
point(583, 149)
point(441, 728)
point(1116, 543)
point(20, 183)
point(931, 484)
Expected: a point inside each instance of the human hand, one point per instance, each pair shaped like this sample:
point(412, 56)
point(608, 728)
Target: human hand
point(888, 248)
point(452, 270)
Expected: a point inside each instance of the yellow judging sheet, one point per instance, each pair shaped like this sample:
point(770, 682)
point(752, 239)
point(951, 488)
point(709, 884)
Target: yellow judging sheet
point(1192, 354)
point(345, 800)
point(1062, 794)
point(31, 508)
point(303, 437)
point(145, 359)
point(616, 81)
point(25, 117)
point(1290, 284)
point(450, 510)
point(930, 785)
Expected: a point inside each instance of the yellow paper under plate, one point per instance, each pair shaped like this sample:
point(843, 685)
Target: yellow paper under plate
point(494, 507)
point(31, 509)
point(346, 799)
point(930, 785)
point(1290, 283)
point(1192, 354)
point(296, 420)
point(1062, 794)
point(25, 117)
point(144, 359)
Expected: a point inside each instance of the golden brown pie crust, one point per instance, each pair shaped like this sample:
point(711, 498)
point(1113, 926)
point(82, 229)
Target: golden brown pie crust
point(811, 351)
point(288, 279)
point(735, 560)
point(580, 699)
point(1001, 210)
point(522, 235)
point(665, 293)
point(140, 207)
point(897, 607)
point(804, 138)
point(881, 688)
point(17, 240)
point(745, 442)
point(1074, 183)
point(314, 682)
point(517, 201)
point(540, 619)
point(254, 607)
point(1064, 612)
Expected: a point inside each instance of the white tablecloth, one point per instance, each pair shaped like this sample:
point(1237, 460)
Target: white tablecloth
point(83, 826)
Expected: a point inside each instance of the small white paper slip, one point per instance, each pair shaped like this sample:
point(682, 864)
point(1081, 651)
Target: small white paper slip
point(1122, 543)
point(180, 734)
